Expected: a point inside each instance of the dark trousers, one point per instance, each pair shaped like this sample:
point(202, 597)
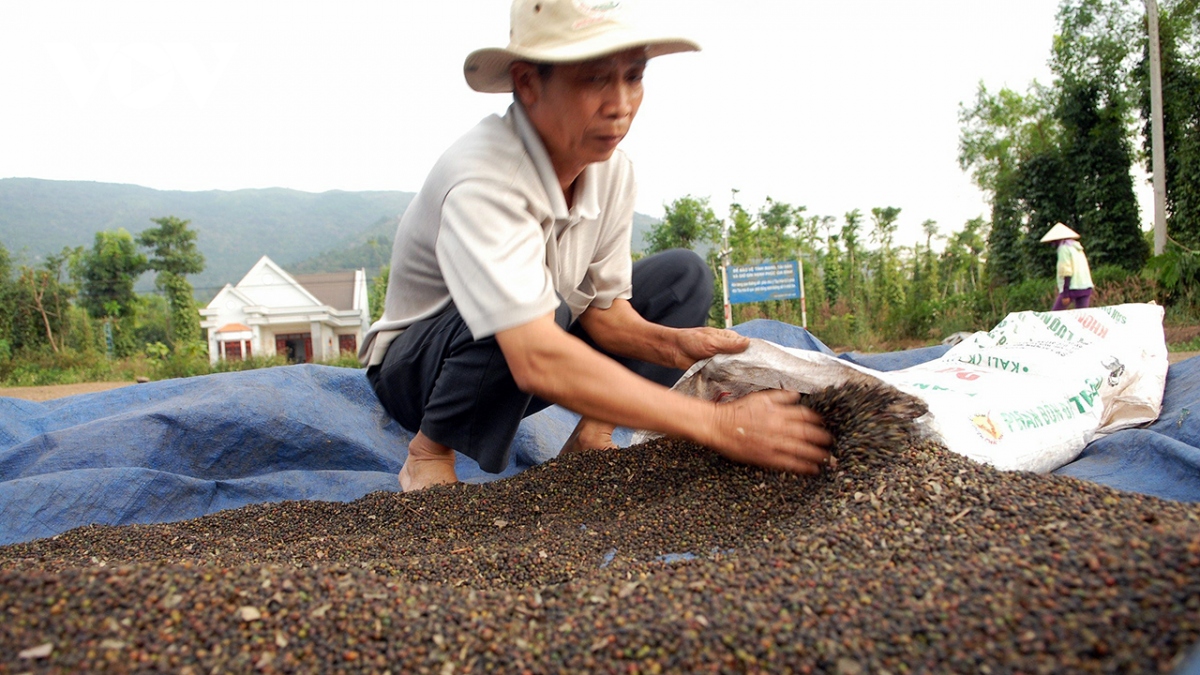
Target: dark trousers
point(1080, 299)
point(459, 392)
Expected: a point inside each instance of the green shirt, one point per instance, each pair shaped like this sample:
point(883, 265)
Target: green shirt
point(1073, 263)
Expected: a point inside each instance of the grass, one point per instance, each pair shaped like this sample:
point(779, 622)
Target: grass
point(75, 367)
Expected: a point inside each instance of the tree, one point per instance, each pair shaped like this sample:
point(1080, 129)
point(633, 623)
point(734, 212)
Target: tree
point(7, 303)
point(850, 237)
point(776, 223)
point(960, 269)
point(743, 243)
point(1062, 154)
point(888, 293)
point(925, 265)
point(107, 274)
point(1096, 46)
point(1002, 134)
point(42, 300)
point(1093, 59)
point(378, 294)
point(688, 222)
point(173, 247)
point(174, 255)
point(1098, 156)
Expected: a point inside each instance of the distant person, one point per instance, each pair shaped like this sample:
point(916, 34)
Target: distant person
point(1074, 277)
point(512, 286)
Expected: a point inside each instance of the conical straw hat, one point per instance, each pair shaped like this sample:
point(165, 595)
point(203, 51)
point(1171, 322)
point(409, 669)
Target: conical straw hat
point(1059, 231)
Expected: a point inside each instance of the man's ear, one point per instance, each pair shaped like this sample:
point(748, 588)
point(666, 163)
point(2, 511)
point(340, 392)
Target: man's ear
point(526, 83)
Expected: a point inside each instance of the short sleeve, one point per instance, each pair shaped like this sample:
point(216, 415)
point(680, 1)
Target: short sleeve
point(611, 271)
point(491, 251)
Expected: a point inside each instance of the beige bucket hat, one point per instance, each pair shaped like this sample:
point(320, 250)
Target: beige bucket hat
point(1059, 232)
point(562, 31)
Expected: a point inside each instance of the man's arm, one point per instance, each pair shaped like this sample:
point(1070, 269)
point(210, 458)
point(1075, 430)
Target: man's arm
point(622, 331)
point(764, 429)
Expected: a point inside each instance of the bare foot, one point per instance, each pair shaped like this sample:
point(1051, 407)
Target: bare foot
point(428, 464)
point(589, 434)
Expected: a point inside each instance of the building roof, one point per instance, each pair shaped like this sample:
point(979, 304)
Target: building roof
point(335, 289)
point(233, 328)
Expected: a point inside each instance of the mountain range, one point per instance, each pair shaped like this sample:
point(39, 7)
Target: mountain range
point(302, 231)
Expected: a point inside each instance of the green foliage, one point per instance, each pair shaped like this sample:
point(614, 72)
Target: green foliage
point(69, 366)
point(40, 300)
point(887, 293)
point(174, 255)
point(689, 222)
point(1098, 158)
point(8, 298)
point(832, 271)
point(1096, 46)
point(107, 275)
point(152, 320)
point(252, 363)
point(184, 360)
point(183, 327)
point(343, 360)
point(109, 271)
point(377, 296)
point(1177, 274)
point(173, 247)
point(1115, 285)
point(852, 269)
point(1061, 153)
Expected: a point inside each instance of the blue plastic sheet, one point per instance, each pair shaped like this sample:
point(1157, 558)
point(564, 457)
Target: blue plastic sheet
point(179, 449)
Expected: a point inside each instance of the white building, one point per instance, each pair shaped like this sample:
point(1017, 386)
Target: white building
point(307, 317)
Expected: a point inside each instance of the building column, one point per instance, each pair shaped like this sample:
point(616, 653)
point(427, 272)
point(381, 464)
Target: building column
point(318, 341)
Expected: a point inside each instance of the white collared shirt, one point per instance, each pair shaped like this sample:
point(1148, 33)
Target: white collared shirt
point(490, 231)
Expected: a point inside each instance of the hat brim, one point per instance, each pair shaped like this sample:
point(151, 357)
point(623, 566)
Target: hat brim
point(487, 70)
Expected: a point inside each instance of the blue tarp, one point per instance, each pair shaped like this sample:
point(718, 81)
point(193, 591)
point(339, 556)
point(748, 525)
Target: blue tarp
point(179, 449)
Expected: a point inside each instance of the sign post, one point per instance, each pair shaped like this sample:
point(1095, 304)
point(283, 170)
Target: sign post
point(803, 304)
point(765, 281)
point(725, 251)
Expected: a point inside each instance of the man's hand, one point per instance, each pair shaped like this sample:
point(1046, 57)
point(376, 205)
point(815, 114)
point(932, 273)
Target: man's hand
point(767, 428)
point(697, 344)
point(770, 429)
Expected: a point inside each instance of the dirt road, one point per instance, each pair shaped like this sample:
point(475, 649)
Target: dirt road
point(45, 393)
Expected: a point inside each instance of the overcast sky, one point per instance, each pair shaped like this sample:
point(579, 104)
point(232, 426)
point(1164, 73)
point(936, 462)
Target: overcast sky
point(830, 105)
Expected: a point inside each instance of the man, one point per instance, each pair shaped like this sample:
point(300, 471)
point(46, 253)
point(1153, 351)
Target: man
point(511, 282)
point(1074, 276)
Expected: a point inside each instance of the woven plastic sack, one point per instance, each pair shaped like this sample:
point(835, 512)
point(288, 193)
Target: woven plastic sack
point(1027, 395)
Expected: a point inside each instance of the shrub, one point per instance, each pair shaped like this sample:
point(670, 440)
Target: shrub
point(1115, 285)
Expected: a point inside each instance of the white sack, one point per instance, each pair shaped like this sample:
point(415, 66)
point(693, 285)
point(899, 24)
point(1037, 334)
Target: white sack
point(1027, 395)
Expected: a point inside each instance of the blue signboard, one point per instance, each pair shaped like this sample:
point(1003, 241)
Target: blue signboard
point(765, 281)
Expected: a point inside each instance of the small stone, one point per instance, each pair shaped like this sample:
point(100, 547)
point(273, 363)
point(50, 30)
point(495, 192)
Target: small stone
point(39, 652)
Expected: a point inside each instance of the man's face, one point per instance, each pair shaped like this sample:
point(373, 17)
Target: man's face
point(583, 110)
